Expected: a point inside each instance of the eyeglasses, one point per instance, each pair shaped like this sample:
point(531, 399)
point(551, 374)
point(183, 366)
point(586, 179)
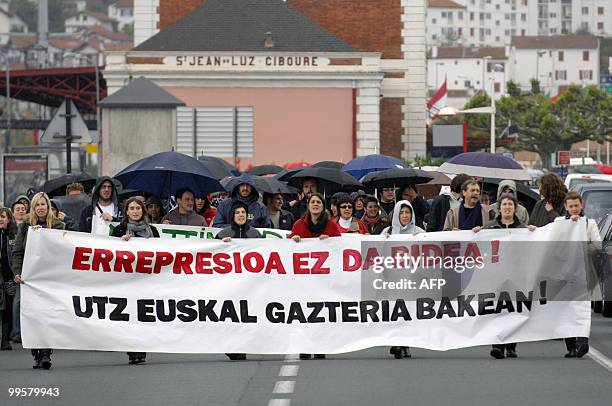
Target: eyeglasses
point(346, 206)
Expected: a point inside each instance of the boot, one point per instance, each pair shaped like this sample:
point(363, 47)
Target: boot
point(45, 359)
point(36, 355)
point(141, 357)
point(396, 352)
point(132, 358)
point(571, 354)
point(405, 351)
point(5, 345)
point(319, 356)
point(305, 356)
point(497, 353)
point(510, 353)
point(582, 350)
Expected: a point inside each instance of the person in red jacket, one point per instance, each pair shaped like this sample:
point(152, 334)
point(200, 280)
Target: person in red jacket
point(347, 222)
point(316, 222)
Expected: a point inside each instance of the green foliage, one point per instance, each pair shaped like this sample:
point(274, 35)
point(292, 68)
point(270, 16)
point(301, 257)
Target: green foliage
point(425, 161)
point(128, 29)
point(28, 11)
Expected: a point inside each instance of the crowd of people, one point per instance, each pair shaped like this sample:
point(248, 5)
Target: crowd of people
point(241, 211)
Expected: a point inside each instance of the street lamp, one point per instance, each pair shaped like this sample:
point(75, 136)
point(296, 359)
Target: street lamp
point(8, 93)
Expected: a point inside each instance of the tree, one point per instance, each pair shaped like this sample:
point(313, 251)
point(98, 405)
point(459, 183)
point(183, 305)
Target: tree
point(546, 127)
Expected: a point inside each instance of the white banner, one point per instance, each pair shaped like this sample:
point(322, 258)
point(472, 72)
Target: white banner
point(208, 233)
point(273, 297)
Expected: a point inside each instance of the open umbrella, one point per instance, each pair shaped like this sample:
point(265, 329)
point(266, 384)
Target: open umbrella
point(286, 174)
point(485, 165)
point(527, 196)
point(395, 178)
point(361, 166)
point(57, 186)
point(162, 174)
point(328, 164)
point(263, 184)
point(265, 170)
point(295, 165)
point(439, 179)
point(329, 180)
point(215, 167)
point(220, 162)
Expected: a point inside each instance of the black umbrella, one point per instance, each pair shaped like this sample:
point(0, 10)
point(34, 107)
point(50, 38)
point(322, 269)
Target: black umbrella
point(526, 196)
point(268, 184)
point(286, 174)
point(398, 177)
point(265, 170)
point(329, 180)
point(329, 164)
point(57, 186)
point(218, 170)
point(220, 162)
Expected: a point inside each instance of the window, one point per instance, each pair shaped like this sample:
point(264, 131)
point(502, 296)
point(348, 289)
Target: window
point(497, 39)
point(488, 31)
point(560, 75)
point(584, 26)
point(214, 130)
point(561, 56)
point(471, 16)
point(524, 2)
point(553, 30)
point(482, 16)
point(497, 23)
point(586, 75)
point(600, 26)
point(507, 33)
point(456, 63)
point(600, 11)
point(553, 15)
point(460, 15)
point(460, 31)
point(497, 7)
point(488, 16)
point(444, 14)
point(585, 11)
point(466, 83)
point(523, 17)
point(522, 33)
point(497, 87)
point(433, 20)
point(450, 15)
point(471, 32)
point(507, 16)
point(585, 55)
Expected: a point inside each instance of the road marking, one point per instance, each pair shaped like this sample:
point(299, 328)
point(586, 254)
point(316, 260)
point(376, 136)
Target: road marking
point(289, 370)
point(279, 402)
point(284, 387)
point(601, 359)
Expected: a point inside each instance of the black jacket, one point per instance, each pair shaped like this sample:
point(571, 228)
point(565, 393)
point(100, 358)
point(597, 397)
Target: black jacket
point(20, 243)
point(121, 230)
point(299, 209)
point(421, 208)
point(9, 240)
point(285, 221)
point(87, 213)
point(437, 216)
point(540, 217)
point(496, 223)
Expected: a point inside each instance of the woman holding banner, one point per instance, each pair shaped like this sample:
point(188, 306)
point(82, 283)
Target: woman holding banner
point(315, 224)
point(135, 223)
point(506, 218)
point(403, 222)
point(41, 216)
point(239, 228)
point(347, 222)
point(8, 287)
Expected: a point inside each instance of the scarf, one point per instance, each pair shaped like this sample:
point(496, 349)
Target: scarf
point(317, 229)
point(367, 220)
point(139, 229)
point(471, 221)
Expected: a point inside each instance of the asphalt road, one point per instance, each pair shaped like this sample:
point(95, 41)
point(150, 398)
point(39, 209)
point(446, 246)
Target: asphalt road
point(540, 376)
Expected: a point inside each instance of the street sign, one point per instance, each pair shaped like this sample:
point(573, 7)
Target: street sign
point(563, 158)
point(606, 87)
point(605, 79)
point(56, 131)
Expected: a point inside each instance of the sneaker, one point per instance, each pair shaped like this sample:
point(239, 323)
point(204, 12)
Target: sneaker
point(305, 356)
point(37, 364)
point(405, 351)
point(17, 339)
point(142, 358)
point(511, 353)
point(319, 356)
point(5, 346)
point(396, 352)
point(497, 353)
point(571, 354)
point(583, 349)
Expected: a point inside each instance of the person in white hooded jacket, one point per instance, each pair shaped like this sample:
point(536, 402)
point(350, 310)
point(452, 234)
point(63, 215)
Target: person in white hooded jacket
point(403, 223)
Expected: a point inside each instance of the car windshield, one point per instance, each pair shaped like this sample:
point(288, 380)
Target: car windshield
point(581, 181)
point(597, 204)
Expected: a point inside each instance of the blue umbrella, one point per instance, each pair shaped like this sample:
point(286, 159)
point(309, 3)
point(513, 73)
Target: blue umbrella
point(362, 165)
point(162, 174)
point(485, 165)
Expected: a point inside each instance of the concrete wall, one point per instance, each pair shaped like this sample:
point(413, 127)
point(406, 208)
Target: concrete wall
point(124, 131)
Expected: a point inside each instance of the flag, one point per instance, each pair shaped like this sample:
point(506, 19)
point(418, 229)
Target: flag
point(437, 101)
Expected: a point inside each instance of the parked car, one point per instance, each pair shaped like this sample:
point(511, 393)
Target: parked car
point(574, 179)
point(604, 267)
point(597, 199)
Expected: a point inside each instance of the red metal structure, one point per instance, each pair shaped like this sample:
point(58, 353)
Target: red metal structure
point(51, 86)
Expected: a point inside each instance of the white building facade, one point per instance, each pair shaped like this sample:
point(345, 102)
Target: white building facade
point(86, 18)
point(123, 12)
point(146, 20)
point(554, 17)
point(556, 61)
